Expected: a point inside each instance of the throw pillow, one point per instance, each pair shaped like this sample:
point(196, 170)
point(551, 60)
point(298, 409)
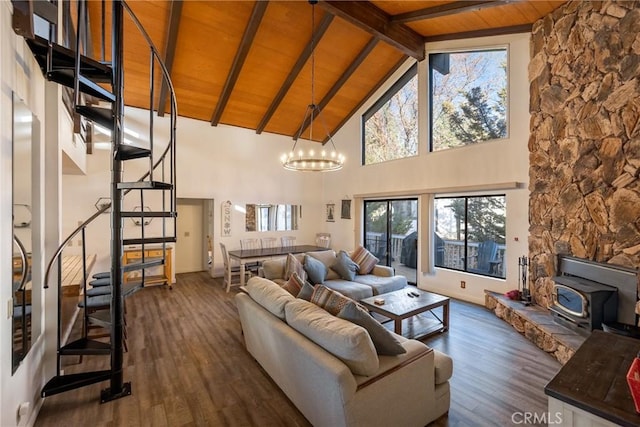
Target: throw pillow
point(332, 301)
point(328, 258)
point(344, 266)
point(365, 260)
point(294, 284)
point(385, 342)
point(315, 269)
point(348, 342)
point(306, 291)
point(293, 265)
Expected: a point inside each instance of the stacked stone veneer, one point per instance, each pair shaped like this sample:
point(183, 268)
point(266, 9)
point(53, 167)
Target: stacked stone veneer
point(585, 138)
point(535, 323)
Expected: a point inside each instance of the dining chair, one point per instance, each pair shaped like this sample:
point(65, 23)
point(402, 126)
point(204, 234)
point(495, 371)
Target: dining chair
point(251, 244)
point(288, 241)
point(231, 272)
point(269, 242)
point(323, 240)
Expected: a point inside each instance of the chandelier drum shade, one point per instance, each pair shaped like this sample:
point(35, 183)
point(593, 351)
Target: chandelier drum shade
point(325, 159)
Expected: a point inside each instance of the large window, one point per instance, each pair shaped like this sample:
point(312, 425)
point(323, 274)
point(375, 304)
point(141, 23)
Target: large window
point(468, 97)
point(470, 234)
point(390, 126)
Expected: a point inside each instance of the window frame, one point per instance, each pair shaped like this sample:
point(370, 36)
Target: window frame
point(465, 240)
point(371, 111)
point(429, 101)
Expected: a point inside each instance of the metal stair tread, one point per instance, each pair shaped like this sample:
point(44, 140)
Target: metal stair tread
point(102, 116)
point(148, 263)
point(149, 240)
point(97, 301)
point(62, 383)
point(129, 152)
point(85, 346)
point(66, 78)
point(154, 214)
point(96, 90)
point(64, 58)
point(145, 185)
point(101, 318)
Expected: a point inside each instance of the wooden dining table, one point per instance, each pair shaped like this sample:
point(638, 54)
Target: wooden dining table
point(247, 256)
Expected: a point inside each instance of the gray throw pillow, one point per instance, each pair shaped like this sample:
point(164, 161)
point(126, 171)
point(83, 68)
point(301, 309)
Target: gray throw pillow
point(306, 292)
point(344, 266)
point(316, 270)
point(384, 341)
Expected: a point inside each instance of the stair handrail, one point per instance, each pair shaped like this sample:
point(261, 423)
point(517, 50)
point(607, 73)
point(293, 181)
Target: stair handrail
point(173, 114)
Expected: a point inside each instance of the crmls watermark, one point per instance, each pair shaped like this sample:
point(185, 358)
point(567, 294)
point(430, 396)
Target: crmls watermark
point(534, 418)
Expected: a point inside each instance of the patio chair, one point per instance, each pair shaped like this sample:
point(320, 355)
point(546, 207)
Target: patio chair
point(486, 258)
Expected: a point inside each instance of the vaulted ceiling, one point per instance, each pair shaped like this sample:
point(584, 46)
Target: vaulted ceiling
point(248, 63)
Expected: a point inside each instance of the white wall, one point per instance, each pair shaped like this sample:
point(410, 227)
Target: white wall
point(486, 163)
point(19, 73)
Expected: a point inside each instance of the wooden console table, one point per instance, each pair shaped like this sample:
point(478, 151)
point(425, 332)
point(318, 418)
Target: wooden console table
point(156, 277)
point(591, 388)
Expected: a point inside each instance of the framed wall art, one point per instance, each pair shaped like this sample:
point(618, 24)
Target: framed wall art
point(331, 217)
point(345, 211)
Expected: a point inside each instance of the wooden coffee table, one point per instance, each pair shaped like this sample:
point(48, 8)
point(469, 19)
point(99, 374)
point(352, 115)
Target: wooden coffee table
point(400, 305)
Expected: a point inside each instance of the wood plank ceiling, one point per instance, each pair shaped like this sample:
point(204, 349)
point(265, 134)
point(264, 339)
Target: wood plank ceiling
point(247, 64)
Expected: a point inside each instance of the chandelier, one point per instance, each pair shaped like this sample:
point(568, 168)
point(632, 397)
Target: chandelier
point(323, 160)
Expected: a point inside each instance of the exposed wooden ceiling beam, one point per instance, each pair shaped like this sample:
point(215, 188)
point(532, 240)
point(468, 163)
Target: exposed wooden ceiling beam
point(367, 96)
point(524, 28)
point(302, 59)
point(238, 62)
point(375, 21)
point(446, 10)
point(340, 82)
point(170, 51)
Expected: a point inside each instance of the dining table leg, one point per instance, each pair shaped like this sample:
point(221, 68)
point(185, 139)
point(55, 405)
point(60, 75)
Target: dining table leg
point(242, 272)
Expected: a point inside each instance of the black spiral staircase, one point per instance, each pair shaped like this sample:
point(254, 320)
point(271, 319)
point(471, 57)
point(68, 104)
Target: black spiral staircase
point(98, 95)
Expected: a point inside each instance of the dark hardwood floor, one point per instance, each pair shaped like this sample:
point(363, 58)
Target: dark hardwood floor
point(188, 366)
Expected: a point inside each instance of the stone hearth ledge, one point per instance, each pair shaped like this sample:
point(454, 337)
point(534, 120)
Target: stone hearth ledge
point(535, 323)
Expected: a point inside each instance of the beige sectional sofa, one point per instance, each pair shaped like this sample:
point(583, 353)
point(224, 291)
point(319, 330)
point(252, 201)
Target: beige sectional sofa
point(379, 281)
point(308, 353)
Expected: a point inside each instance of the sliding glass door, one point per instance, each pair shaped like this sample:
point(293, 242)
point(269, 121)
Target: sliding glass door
point(391, 233)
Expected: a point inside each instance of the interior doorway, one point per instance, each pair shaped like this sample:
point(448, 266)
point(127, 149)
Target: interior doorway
point(391, 234)
point(194, 231)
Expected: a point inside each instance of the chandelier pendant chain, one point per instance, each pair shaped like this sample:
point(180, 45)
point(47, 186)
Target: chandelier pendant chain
point(311, 160)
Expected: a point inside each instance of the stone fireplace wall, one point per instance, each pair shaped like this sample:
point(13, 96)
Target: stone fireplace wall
point(585, 138)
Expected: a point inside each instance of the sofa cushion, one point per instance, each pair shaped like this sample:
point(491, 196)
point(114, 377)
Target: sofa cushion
point(273, 268)
point(316, 270)
point(332, 301)
point(443, 367)
point(382, 285)
point(348, 342)
point(327, 257)
point(293, 264)
point(353, 290)
point(385, 342)
point(365, 260)
point(344, 266)
point(269, 295)
point(294, 284)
